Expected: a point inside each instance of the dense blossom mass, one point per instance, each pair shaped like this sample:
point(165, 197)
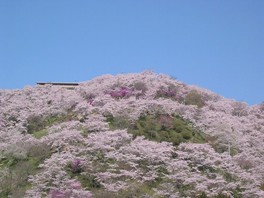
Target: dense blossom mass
point(130, 135)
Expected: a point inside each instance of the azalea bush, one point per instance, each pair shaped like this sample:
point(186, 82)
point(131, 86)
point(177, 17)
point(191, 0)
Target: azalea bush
point(121, 92)
point(167, 92)
point(137, 89)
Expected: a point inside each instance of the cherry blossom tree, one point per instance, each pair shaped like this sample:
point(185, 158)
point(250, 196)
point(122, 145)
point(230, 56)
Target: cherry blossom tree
point(77, 154)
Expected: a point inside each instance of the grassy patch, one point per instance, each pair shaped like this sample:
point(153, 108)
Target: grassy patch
point(160, 127)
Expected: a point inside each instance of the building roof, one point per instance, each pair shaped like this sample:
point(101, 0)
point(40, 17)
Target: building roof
point(58, 83)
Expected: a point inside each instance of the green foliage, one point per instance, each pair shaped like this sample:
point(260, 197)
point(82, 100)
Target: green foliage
point(220, 195)
point(100, 163)
point(203, 195)
point(89, 181)
point(12, 119)
point(7, 162)
point(40, 134)
point(194, 98)
point(262, 186)
point(228, 177)
point(184, 190)
point(235, 194)
point(220, 144)
point(85, 131)
point(206, 168)
point(36, 124)
point(160, 127)
point(119, 122)
point(15, 181)
point(140, 86)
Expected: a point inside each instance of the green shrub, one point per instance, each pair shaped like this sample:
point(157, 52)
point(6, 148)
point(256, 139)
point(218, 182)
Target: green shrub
point(186, 135)
point(89, 181)
point(40, 134)
point(35, 123)
point(194, 98)
point(119, 122)
point(13, 119)
point(140, 86)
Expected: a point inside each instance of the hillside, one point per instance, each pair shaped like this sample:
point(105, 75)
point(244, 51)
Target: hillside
point(130, 135)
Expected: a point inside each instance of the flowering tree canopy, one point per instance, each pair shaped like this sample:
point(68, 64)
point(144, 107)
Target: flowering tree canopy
point(130, 135)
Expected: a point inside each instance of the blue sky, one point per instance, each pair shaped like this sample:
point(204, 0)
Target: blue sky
point(218, 45)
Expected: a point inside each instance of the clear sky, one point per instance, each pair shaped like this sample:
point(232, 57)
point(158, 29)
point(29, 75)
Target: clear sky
point(215, 44)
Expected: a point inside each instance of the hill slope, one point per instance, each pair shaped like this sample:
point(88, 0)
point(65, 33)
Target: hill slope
point(131, 135)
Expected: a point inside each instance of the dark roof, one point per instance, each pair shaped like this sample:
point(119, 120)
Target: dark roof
point(58, 83)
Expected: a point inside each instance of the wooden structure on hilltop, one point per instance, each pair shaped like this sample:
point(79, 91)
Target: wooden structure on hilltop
point(68, 85)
